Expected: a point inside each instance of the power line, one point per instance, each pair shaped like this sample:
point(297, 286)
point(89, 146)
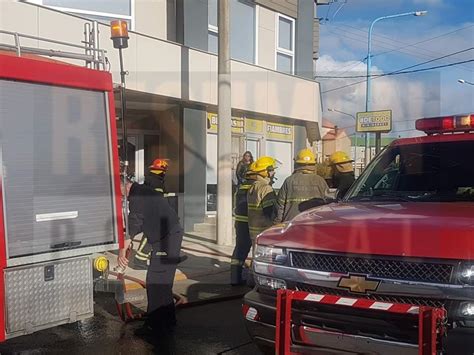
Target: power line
point(400, 73)
point(427, 40)
point(389, 46)
point(406, 45)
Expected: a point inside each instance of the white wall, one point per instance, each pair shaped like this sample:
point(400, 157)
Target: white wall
point(155, 66)
point(266, 37)
point(151, 17)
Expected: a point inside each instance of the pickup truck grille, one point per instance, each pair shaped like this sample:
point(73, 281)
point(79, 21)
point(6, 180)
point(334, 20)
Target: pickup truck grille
point(375, 267)
point(416, 301)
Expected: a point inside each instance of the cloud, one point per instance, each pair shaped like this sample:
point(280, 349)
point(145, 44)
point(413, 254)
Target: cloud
point(409, 97)
point(428, 2)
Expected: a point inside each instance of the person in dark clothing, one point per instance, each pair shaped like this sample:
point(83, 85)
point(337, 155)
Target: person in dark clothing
point(156, 219)
point(243, 243)
point(243, 166)
point(342, 173)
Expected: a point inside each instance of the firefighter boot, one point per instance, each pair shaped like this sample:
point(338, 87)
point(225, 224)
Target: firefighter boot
point(236, 267)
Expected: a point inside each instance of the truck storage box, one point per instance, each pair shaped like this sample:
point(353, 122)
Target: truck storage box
point(43, 295)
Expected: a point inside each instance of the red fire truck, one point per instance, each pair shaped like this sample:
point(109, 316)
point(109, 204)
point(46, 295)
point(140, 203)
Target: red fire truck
point(390, 269)
point(60, 188)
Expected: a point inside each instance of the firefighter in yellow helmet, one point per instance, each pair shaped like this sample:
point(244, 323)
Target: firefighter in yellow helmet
point(303, 185)
point(243, 242)
point(261, 198)
point(342, 173)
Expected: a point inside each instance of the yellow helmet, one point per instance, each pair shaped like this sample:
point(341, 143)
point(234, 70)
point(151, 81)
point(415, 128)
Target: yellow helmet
point(339, 158)
point(262, 165)
point(305, 156)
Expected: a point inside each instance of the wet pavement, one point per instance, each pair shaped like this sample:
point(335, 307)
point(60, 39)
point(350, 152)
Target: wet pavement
point(215, 328)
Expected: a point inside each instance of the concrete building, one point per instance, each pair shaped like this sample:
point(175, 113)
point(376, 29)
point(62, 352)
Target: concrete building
point(172, 80)
point(334, 139)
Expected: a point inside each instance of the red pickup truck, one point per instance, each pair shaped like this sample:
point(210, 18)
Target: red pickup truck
point(403, 234)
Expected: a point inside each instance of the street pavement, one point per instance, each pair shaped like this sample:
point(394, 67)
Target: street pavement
point(203, 327)
point(215, 328)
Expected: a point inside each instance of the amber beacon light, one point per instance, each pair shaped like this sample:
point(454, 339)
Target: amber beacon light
point(119, 33)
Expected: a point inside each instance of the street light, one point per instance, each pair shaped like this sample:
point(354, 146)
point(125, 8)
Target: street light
point(369, 63)
point(356, 145)
point(462, 81)
point(344, 113)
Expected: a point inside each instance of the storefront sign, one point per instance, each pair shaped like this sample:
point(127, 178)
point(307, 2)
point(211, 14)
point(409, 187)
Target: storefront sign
point(374, 121)
point(253, 126)
point(279, 131)
point(212, 123)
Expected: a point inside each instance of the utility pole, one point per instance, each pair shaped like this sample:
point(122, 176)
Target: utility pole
point(368, 96)
point(224, 132)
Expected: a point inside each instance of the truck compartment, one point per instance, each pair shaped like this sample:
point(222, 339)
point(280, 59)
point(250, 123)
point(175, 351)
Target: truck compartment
point(56, 168)
point(44, 295)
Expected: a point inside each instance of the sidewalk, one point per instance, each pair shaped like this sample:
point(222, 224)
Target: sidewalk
point(203, 276)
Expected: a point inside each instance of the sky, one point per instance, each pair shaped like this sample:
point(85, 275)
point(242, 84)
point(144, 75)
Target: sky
point(397, 43)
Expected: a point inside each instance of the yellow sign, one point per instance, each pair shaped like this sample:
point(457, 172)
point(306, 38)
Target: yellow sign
point(279, 131)
point(253, 126)
point(213, 122)
point(374, 121)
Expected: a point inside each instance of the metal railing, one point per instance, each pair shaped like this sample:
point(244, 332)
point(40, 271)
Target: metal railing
point(93, 56)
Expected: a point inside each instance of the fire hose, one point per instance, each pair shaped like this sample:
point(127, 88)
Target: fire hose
point(125, 310)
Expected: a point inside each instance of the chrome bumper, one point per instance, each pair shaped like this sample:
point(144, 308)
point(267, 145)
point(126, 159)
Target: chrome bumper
point(351, 344)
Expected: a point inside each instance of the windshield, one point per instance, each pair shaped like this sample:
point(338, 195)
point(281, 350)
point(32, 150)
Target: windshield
point(441, 172)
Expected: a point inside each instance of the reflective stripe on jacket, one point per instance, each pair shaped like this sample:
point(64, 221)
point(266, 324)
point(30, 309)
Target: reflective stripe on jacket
point(241, 208)
point(261, 201)
point(304, 184)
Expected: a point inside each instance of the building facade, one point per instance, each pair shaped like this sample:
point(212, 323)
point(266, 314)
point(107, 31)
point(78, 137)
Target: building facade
point(172, 80)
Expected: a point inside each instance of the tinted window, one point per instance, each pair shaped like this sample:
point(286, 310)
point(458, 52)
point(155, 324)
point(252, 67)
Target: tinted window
point(420, 172)
point(285, 33)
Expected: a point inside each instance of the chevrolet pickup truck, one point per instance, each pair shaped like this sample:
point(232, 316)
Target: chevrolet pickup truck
point(403, 234)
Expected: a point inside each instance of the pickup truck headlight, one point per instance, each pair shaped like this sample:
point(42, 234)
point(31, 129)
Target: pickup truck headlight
point(466, 274)
point(467, 309)
point(270, 282)
point(268, 254)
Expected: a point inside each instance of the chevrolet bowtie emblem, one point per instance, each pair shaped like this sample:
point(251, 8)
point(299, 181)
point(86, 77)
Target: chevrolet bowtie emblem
point(358, 284)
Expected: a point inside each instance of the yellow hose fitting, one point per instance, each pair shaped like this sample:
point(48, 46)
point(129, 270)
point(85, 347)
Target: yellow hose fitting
point(101, 264)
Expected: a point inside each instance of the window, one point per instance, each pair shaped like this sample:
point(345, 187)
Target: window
point(285, 48)
point(283, 152)
point(242, 30)
point(102, 11)
point(419, 172)
point(213, 30)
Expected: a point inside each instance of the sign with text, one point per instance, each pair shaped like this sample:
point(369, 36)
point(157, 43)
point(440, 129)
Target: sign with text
point(212, 123)
point(374, 121)
point(279, 131)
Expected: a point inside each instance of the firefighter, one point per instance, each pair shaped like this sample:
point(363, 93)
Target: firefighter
point(261, 198)
point(342, 173)
point(243, 243)
point(158, 174)
point(160, 224)
point(304, 184)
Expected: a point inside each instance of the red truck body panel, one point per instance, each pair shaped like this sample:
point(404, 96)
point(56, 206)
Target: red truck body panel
point(424, 229)
point(414, 229)
point(52, 73)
